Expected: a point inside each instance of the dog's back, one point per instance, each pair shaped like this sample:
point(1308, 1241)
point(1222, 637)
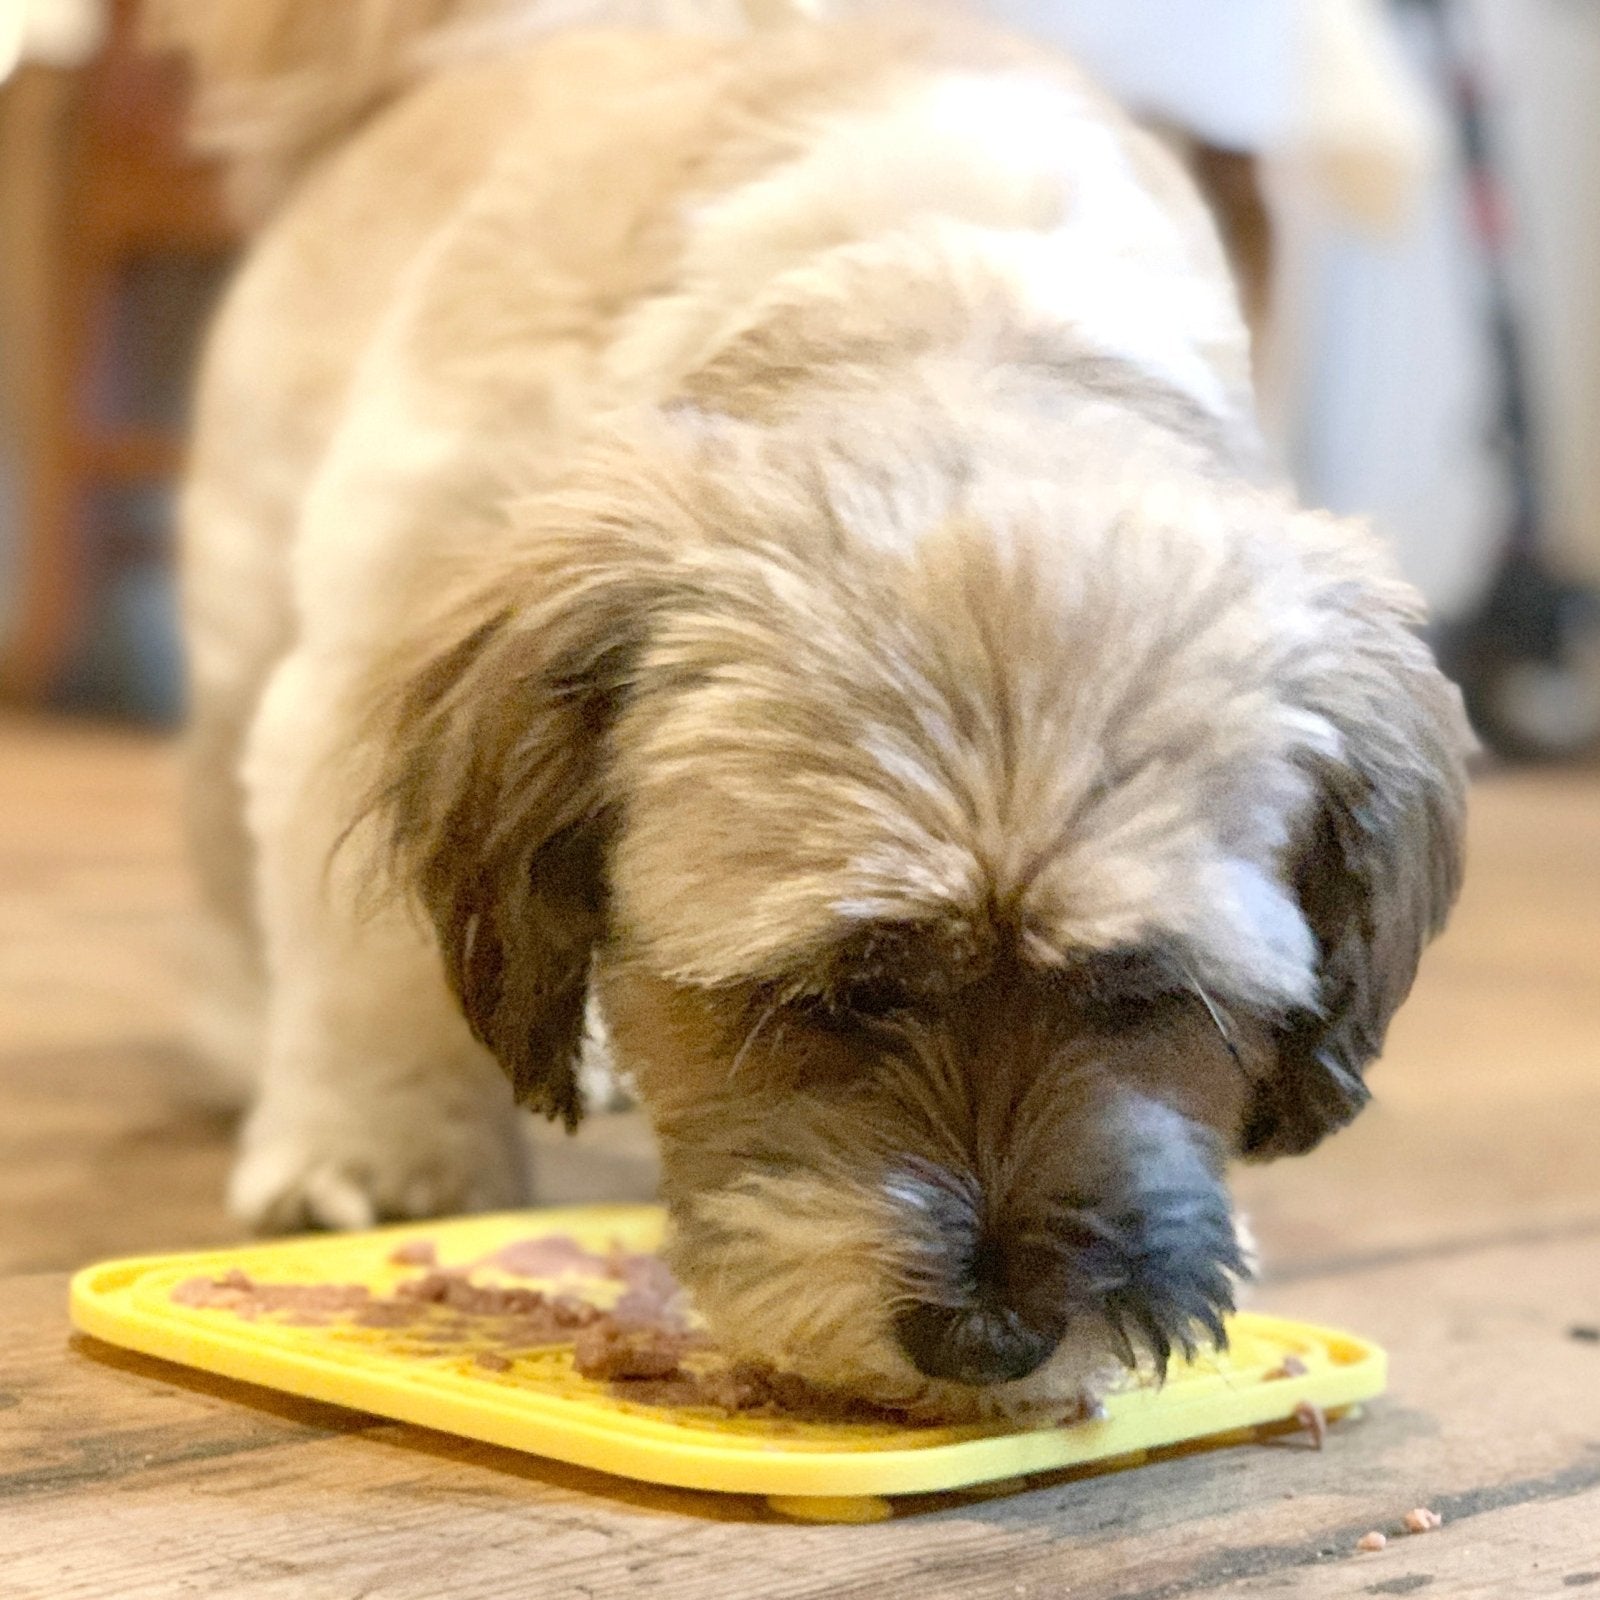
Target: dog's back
point(282, 82)
point(353, 133)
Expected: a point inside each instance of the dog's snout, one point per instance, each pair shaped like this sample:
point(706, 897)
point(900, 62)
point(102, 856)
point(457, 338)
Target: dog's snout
point(981, 1344)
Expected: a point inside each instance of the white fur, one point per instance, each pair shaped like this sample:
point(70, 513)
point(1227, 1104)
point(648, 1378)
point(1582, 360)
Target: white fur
point(374, 1099)
point(1018, 172)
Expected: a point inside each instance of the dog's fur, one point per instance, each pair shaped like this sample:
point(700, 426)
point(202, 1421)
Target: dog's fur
point(767, 525)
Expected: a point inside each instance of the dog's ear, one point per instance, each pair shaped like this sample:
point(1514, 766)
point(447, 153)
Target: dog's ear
point(1376, 862)
point(490, 724)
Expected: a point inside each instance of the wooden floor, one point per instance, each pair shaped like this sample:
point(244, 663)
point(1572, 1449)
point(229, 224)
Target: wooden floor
point(1458, 1222)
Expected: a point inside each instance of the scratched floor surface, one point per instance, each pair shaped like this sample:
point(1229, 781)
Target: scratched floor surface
point(1458, 1222)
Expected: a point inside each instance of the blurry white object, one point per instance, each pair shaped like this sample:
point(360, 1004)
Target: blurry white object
point(56, 33)
point(1379, 376)
point(1364, 132)
point(1225, 70)
point(1543, 61)
point(1382, 371)
point(1319, 86)
point(11, 24)
point(1380, 383)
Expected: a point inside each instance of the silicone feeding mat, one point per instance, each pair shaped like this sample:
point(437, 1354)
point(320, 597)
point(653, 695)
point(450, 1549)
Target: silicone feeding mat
point(468, 1327)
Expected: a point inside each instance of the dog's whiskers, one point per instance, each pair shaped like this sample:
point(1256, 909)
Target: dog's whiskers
point(748, 1043)
point(1219, 1019)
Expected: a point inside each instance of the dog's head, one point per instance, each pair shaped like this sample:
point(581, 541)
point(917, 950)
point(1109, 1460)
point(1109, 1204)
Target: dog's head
point(970, 872)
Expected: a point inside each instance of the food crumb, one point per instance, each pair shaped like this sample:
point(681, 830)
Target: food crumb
point(1289, 1367)
point(1314, 1420)
point(1369, 1542)
point(415, 1253)
point(492, 1361)
point(1422, 1520)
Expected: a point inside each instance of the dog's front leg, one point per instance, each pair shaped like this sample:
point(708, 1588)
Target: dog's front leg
point(374, 1100)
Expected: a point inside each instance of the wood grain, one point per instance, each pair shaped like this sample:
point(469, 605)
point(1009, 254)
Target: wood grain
point(1458, 1222)
point(124, 1476)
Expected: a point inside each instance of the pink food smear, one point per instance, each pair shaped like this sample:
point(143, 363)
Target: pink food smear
point(415, 1253)
point(552, 1255)
point(650, 1293)
point(449, 1306)
point(308, 1303)
point(637, 1347)
point(1314, 1420)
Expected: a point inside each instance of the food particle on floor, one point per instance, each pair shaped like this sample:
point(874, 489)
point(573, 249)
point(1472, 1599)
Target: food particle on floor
point(1422, 1520)
point(1314, 1420)
point(1369, 1542)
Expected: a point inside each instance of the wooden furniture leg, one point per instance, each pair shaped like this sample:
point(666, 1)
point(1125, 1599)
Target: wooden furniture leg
point(93, 179)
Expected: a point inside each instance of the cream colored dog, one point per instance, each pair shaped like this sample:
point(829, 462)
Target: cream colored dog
point(764, 525)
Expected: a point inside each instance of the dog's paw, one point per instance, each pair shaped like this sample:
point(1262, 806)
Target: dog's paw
point(290, 1181)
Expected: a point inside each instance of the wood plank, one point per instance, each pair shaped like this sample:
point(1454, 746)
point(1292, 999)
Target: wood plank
point(93, 895)
point(104, 1154)
point(120, 1475)
point(1532, 1550)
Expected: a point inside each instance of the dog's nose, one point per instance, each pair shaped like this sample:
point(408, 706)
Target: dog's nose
point(979, 1344)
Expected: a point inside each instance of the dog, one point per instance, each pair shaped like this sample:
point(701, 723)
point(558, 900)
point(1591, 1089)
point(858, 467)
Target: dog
point(758, 524)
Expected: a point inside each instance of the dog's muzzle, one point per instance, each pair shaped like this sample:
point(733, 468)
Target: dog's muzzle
point(1012, 1307)
point(1153, 1278)
point(977, 1345)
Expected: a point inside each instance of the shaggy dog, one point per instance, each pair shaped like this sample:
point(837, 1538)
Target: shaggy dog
point(763, 526)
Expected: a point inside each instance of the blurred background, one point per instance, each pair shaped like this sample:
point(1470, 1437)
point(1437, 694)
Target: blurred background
point(1411, 193)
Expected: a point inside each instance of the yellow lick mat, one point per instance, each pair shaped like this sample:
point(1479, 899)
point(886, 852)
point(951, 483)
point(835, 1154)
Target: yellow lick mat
point(439, 1325)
